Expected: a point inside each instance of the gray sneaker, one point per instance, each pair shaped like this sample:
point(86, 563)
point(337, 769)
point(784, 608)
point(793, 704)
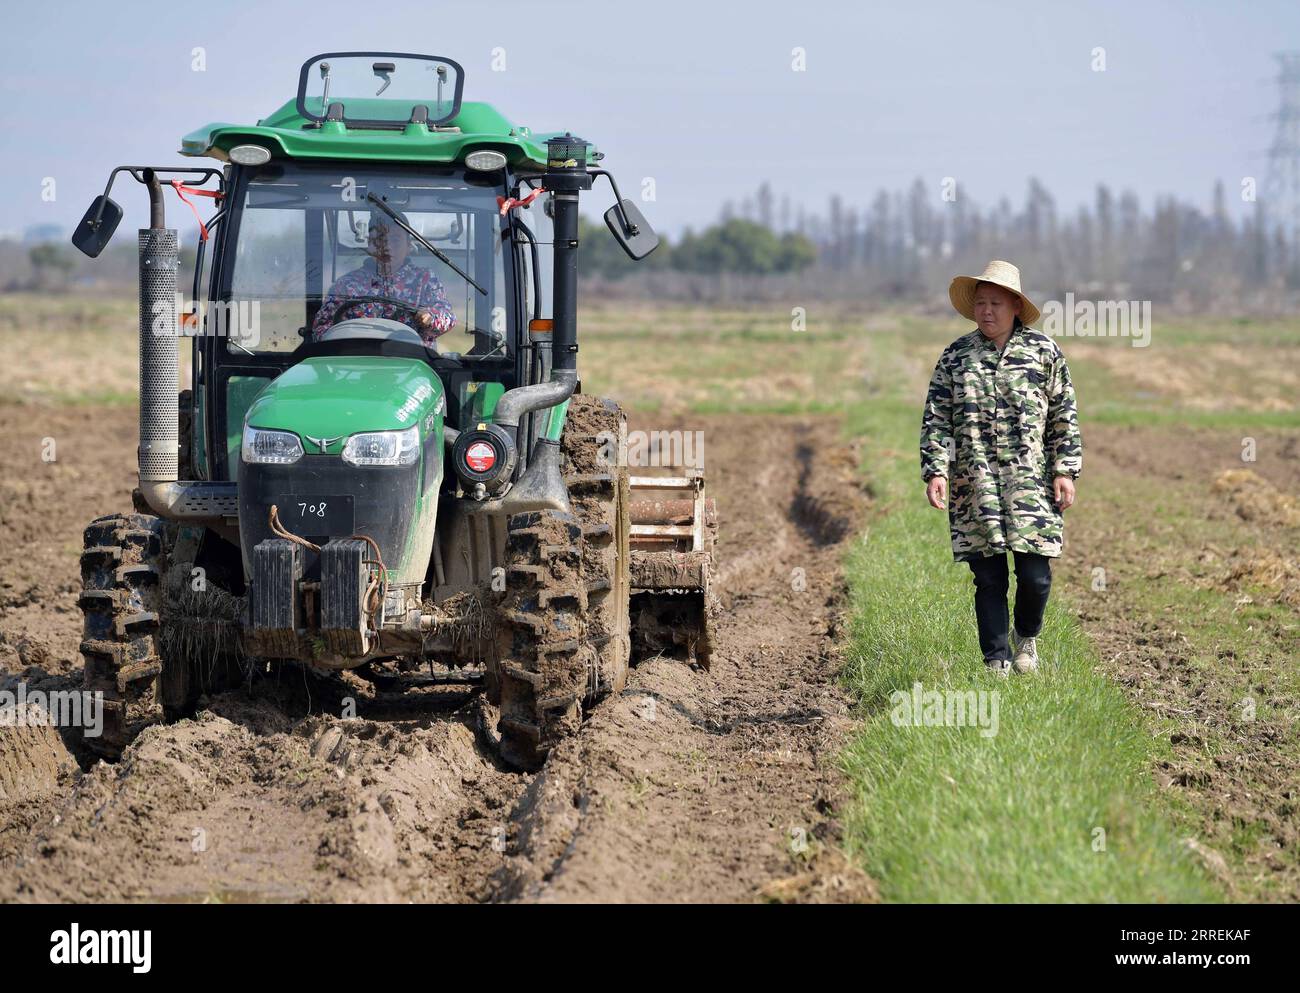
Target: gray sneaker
point(1026, 654)
point(999, 667)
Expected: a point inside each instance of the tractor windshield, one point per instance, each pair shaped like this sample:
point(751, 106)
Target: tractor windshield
point(310, 250)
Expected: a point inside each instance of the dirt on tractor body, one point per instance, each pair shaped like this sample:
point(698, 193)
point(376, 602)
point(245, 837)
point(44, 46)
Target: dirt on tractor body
point(690, 785)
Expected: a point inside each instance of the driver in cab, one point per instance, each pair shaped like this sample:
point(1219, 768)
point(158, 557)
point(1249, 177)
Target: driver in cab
point(389, 285)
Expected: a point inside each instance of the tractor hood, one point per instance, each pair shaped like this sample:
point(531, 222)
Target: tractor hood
point(332, 398)
point(325, 400)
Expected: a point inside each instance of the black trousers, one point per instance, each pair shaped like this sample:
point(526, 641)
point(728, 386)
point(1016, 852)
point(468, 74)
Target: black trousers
point(1033, 584)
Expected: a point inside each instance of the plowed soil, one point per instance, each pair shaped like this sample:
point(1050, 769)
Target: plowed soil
point(691, 785)
point(1234, 769)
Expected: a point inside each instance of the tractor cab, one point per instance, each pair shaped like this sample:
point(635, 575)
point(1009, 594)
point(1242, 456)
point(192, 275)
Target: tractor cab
point(329, 263)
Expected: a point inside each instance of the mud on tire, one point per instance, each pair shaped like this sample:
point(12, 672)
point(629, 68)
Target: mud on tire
point(564, 642)
point(151, 644)
point(542, 664)
point(122, 567)
point(598, 490)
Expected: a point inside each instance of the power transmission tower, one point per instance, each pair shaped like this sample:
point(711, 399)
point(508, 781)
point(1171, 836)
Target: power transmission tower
point(1282, 189)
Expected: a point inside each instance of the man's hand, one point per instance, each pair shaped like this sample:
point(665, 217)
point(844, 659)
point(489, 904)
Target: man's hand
point(1063, 490)
point(936, 491)
point(424, 317)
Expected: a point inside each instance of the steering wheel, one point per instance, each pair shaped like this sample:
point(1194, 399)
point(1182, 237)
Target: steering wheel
point(402, 304)
point(343, 304)
point(414, 309)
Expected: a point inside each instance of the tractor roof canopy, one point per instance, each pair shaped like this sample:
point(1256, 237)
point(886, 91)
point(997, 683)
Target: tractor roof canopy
point(381, 106)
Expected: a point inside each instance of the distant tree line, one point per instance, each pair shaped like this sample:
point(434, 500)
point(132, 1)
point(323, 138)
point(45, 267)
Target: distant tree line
point(735, 245)
point(900, 246)
point(906, 245)
point(1110, 240)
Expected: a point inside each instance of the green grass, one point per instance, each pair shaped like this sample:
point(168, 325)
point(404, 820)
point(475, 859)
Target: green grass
point(948, 814)
point(1189, 330)
point(1236, 645)
point(68, 350)
point(1129, 415)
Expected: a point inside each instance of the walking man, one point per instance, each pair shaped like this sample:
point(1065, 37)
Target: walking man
point(1000, 448)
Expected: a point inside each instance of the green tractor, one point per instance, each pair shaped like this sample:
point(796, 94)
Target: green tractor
point(384, 460)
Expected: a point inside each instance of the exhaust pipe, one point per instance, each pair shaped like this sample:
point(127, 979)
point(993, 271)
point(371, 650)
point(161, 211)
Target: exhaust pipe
point(514, 404)
point(541, 487)
point(159, 447)
point(159, 377)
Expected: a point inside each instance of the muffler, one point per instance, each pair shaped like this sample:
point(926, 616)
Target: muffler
point(159, 448)
point(159, 376)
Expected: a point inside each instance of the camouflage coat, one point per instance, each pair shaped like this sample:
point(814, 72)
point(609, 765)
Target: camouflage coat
point(1001, 426)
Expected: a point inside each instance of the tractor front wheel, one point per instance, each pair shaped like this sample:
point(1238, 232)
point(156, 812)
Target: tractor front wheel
point(155, 636)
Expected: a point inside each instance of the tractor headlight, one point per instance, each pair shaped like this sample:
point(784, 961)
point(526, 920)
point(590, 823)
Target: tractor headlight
point(250, 155)
point(383, 448)
point(270, 447)
point(485, 160)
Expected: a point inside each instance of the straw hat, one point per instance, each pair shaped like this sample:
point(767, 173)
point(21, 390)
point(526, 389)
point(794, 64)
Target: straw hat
point(962, 290)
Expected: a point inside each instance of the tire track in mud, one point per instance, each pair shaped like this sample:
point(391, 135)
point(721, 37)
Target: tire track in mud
point(689, 786)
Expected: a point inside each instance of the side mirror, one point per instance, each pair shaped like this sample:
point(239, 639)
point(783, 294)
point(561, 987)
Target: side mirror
point(91, 237)
point(638, 239)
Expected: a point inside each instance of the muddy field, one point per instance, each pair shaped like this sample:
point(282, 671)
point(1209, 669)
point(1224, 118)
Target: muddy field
point(690, 786)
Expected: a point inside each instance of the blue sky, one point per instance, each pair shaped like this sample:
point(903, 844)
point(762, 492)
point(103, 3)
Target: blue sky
point(701, 97)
